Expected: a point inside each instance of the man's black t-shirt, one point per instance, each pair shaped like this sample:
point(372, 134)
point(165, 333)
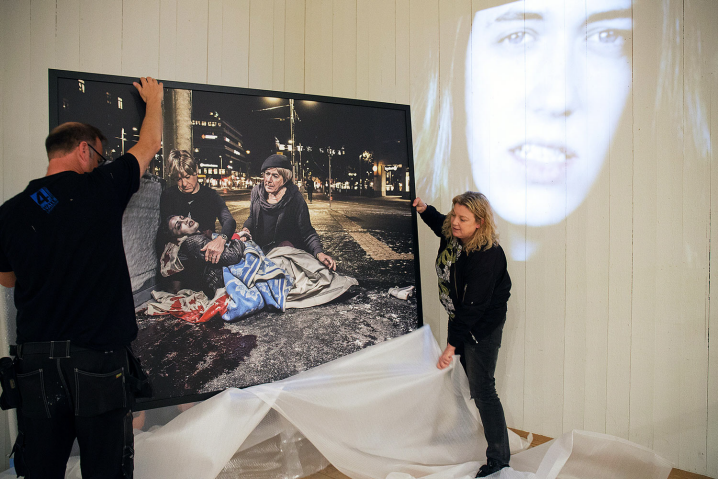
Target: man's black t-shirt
point(62, 237)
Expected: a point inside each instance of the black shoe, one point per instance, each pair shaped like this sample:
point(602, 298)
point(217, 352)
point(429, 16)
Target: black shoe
point(490, 467)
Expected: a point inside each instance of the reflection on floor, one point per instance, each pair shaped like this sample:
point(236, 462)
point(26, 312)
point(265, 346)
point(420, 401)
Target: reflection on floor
point(332, 473)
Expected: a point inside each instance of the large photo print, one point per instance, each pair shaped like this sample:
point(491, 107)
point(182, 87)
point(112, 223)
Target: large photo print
point(271, 234)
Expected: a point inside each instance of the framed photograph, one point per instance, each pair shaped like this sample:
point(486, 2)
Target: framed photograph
point(272, 233)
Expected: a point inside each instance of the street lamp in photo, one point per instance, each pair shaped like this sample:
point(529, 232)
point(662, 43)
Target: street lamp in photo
point(293, 118)
point(331, 152)
point(299, 148)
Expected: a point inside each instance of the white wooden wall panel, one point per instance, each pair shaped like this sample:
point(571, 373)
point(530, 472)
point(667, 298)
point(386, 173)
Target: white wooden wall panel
point(402, 65)
point(364, 69)
point(546, 295)
point(577, 323)
point(585, 240)
point(693, 361)
point(67, 45)
point(667, 348)
point(512, 355)
point(215, 33)
point(140, 38)
point(101, 36)
point(42, 39)
point(454, 19)
point(280, 21)
point(383, 86)
point(17, 126)
point(168, 39)
point(620, 171)
point(587, 272)
point(424, 36)
point(261, 44)
point(191, 41)
point(645, 215)
point(545, 331)
point(712, 440)
point(596, 250)
point(711, 38)
point(608, 325)
point(318, 47)
point(294, 46)
point(376, 50)
point(235, 43)
point(344, 49)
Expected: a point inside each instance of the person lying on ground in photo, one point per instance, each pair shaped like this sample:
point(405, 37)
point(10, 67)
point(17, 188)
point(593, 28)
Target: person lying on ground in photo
point(185, 251)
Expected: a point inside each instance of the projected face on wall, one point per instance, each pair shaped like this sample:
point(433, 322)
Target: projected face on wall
point(546, 86)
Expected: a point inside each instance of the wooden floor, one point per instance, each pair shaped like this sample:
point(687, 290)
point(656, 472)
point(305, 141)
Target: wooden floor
point(332, 473)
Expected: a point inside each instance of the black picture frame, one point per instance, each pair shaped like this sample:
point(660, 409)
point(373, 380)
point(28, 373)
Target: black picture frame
point(112, 104)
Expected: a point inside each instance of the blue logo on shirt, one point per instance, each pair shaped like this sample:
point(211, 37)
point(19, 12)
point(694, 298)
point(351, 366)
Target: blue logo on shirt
point(44, 199)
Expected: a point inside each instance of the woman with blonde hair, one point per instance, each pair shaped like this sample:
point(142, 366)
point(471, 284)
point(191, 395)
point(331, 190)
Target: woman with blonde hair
point(474, 287)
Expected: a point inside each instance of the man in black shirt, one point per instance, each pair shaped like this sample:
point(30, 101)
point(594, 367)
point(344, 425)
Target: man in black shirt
point(61, 248)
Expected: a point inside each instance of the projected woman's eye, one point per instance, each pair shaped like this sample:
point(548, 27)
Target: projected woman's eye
point(608, 42)
point(610, 36)
point(517, 38)
point(540, 120)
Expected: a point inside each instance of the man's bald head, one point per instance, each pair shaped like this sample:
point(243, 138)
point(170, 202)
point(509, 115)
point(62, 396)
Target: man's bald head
point(66, 137)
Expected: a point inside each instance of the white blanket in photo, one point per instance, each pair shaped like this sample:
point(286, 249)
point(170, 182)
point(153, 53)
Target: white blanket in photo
point(314, 283)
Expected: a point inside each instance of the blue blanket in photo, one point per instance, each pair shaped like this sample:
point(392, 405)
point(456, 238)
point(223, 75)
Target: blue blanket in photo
point(253, 283)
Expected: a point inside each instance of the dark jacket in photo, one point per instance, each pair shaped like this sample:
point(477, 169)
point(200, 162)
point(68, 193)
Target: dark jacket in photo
point(287, 220)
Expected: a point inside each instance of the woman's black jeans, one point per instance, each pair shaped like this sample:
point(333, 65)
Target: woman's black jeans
point(480, 364)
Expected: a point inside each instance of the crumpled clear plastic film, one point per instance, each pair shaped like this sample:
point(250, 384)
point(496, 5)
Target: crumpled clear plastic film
point(274, 450)
point(383, 412)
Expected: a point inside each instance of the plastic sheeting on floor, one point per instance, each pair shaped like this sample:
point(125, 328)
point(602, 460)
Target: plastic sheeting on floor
point(383, 412)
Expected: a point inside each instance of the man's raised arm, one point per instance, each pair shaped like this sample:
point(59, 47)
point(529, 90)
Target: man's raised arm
point(150, 141)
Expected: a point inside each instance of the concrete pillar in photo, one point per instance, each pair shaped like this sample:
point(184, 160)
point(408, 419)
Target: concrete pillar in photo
point(177, 129)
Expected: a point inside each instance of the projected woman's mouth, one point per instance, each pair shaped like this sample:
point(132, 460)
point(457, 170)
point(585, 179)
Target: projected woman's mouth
point(544, 164)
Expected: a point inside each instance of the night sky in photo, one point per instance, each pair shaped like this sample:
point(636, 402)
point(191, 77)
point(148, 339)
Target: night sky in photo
point(321, 124)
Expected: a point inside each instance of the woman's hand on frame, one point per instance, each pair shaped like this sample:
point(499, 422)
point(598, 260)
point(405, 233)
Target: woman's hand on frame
point(419, 205)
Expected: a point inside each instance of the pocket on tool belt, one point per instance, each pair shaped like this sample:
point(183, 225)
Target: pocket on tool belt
point(97, 393)
point(32, 394)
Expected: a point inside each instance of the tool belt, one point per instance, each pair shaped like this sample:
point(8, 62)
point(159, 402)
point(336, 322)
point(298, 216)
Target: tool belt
point(53, 349)
point(137, 380)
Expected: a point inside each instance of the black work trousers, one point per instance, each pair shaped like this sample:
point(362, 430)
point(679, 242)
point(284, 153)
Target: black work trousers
point(81, 395)
point(480, 364)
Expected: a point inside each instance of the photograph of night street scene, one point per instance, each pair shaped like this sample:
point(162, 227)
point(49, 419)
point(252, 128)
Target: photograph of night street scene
point(351, 164)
